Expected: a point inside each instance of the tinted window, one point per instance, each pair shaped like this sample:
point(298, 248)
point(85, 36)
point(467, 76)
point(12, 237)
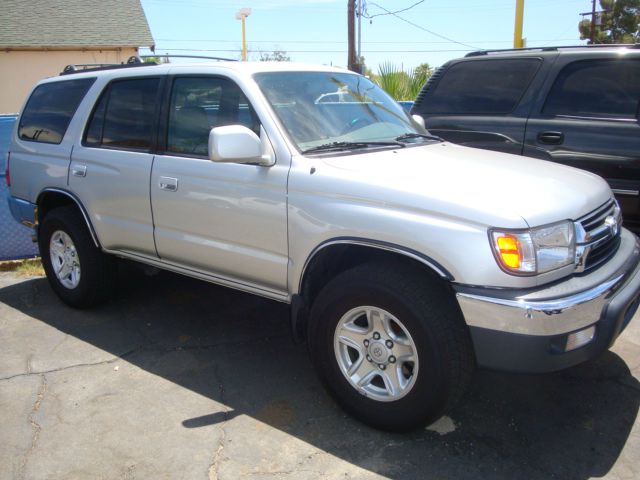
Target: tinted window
point(124, 116)
point(93, 135)
point(482, 86)
point(199, 104)
point(604, 88)
point(50, 109)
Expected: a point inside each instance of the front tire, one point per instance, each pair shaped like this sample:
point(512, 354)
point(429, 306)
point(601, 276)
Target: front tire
point(80, 274)
point(390, 346)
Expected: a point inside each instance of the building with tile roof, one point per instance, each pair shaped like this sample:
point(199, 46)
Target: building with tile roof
point(38, 38)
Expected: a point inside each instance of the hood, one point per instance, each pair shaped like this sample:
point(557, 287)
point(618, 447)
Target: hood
point(478, 186)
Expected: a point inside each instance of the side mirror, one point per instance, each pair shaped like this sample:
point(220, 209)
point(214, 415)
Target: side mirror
point(236, 144)
point(419, 120)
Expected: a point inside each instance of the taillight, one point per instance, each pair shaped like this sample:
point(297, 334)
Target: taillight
point(7, 174)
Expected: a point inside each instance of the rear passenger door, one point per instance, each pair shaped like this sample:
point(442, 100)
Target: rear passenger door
point(589, 120)
point(110, 168)
point(226, 220)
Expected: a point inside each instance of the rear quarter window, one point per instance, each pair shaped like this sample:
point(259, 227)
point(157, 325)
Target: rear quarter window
point(481, 87)
point(49, 110)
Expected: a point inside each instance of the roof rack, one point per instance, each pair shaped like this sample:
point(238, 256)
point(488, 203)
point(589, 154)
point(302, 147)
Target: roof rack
point(94, 67)
point(190, 56)
point(551, 49)
point(131, 62)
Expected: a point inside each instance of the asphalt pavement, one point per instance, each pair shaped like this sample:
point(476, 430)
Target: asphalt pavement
point(179, 379)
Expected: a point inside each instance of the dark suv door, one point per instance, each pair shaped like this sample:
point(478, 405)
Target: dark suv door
point(589, 119)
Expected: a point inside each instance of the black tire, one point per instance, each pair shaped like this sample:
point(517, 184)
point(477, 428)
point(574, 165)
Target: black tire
point(428, 312)
point(96, 270)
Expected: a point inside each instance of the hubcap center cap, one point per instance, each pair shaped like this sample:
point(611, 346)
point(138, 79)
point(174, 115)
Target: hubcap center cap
point(378, 352)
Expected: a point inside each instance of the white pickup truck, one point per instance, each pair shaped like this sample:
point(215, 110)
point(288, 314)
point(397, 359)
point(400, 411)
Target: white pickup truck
point(406, 260)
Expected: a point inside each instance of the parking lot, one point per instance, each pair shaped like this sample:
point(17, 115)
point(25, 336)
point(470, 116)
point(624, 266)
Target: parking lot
point(176, 378)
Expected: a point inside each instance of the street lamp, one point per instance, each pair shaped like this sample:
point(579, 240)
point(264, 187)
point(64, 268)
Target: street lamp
point(241, 15)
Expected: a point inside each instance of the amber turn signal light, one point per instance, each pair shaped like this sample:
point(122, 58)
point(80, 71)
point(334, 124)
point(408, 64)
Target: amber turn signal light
point(509, 250)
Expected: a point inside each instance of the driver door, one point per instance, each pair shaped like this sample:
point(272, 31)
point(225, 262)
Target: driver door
point(227, 220)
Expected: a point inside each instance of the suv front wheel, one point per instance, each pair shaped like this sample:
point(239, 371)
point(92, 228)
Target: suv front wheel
point(390, 346)
point(79, 273)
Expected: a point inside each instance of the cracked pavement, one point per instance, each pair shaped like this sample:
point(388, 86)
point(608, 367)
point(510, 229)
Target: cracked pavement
point(178, 379)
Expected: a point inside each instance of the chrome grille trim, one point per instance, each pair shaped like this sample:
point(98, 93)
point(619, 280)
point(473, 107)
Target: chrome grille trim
point(597, 236)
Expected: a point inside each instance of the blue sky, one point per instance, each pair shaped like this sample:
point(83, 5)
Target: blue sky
point(315, 31)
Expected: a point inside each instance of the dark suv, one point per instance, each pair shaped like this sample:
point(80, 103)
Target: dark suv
point(573, 105)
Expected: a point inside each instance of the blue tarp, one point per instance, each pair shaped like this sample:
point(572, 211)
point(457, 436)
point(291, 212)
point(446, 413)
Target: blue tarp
point(15, 239)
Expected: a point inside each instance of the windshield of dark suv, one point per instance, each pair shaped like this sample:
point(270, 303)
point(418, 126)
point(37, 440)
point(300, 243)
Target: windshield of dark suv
point(332, 111)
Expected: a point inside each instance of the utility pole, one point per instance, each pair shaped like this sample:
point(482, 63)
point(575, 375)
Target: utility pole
point(359, 57)
point(596, 21)
point(593, 22)
point(242, 15)
point(517, 31)
point(352, 64)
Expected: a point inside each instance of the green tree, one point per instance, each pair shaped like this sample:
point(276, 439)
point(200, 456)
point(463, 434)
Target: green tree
point(275, 56)
point(419, 77)
point(619, 22)
point(399, 84)
point(158, 59)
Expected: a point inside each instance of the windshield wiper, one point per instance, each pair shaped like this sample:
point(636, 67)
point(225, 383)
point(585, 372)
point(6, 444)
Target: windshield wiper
point(337, 146)
point(409, 136)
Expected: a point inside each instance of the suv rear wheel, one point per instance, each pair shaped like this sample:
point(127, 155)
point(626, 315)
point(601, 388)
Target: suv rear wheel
point(79, 273)
point(390, 346)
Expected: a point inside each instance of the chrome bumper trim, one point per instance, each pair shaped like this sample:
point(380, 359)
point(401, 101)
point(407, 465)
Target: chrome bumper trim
point(547, 317)
point(622, 191)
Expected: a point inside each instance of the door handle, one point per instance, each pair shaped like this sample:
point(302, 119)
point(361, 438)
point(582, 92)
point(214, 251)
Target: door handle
point(79, 170)
point(168, 183)
point(551, 138)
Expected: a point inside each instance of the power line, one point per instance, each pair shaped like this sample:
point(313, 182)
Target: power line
point(423, 28)
point(159, 48)
point(412, 42)
point(391, 13)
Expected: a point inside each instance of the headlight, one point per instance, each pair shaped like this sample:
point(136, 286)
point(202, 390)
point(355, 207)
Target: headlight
point(534, 251)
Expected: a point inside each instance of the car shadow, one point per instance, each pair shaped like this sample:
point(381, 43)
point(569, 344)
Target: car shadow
point(570, 425)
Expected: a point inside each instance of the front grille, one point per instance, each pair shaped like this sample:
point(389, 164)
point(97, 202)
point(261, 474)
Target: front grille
point(602, 253)
point(598, 236)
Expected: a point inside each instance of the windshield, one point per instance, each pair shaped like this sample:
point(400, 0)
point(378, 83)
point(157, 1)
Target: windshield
point(332, 109)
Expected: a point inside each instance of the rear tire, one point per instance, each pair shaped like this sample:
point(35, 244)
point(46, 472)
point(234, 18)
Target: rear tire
point(80, 274)
point(390, 346)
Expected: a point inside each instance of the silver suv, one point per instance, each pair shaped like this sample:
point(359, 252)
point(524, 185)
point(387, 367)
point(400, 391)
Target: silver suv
point(406, 260)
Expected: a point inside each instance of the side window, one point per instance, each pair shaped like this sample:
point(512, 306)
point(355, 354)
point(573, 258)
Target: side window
point(596, 88)
point(124, 115)
point(200, 103)
point(481, 87)
point(50, 108)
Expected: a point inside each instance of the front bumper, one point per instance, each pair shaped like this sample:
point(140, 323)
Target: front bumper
point(528, 330)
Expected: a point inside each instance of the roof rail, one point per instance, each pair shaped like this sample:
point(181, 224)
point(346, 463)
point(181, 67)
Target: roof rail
point(551, 49)
point(190, 56)
point(140, 61)
point(94, 67)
